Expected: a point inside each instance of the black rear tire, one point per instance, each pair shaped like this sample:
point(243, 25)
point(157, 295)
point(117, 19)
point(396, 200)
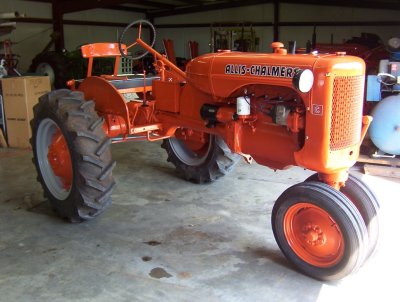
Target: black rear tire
point(217, 161)
point(366, 203)
point(319, 230)
point(92, 183)
point(53, 64)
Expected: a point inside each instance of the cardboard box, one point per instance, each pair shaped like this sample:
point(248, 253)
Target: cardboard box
point(20, 94)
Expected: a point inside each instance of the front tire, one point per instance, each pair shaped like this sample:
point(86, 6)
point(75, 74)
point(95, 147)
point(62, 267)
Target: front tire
point(319, 230)
point(366, 203)
point(201, 162)
point(72, 155)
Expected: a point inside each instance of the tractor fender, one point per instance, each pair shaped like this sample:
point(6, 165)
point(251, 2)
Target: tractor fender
point(107, 98)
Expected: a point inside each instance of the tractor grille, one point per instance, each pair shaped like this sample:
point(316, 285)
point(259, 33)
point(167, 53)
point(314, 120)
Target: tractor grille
point(346, 118)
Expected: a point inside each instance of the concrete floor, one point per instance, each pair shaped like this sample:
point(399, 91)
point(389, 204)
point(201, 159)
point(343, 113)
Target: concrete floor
point(164, 239)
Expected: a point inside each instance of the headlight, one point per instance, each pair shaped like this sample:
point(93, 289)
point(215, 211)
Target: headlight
point(303, 80)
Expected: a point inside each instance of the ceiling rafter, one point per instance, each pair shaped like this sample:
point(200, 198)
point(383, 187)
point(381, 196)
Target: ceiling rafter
point(350, 3)
point(206, 7)
point(230, 4)
point(153, 4)
point(160, 8)
point(65, 7)
point(127, 9)
point(192, 1)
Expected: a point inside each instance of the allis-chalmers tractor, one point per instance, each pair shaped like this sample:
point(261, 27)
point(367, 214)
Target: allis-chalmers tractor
point(279, 109)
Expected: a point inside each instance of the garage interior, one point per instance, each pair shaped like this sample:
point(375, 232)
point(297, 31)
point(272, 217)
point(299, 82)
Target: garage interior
point(164, 238)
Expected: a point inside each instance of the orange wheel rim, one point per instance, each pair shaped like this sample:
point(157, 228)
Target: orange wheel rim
point(313, 235)
point(197, 146)
point(60, 159)
point(197, 142)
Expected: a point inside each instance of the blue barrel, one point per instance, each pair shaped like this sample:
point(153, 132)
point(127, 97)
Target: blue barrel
point(385, 128)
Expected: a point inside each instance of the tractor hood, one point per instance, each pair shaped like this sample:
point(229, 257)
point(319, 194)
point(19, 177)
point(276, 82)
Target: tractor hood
point(220, 74)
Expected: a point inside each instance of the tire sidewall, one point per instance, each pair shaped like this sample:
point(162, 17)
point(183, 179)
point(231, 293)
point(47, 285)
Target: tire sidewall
point(367, 205)
point(68, 204)
point(349, 260)
point(211, 153)
point(89, 148)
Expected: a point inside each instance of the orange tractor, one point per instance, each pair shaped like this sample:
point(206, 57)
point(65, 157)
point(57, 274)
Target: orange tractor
point(279, 109)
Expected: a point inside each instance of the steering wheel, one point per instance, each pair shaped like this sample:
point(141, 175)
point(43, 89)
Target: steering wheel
point(120, 44)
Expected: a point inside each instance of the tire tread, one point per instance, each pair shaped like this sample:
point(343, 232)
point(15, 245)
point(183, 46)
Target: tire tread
point(93, 182)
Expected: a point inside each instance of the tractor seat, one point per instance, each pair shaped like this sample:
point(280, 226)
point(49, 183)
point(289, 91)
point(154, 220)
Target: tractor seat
point(96, 50)
point(101, 50)
point(136, 82)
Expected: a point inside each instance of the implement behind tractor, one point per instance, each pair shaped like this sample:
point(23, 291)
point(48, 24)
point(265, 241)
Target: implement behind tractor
point(279, 109)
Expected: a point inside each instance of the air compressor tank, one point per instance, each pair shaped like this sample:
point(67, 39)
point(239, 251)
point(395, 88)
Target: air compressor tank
point(384, 130)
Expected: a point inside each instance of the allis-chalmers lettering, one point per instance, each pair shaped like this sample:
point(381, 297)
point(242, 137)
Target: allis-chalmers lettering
point(261, 70)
